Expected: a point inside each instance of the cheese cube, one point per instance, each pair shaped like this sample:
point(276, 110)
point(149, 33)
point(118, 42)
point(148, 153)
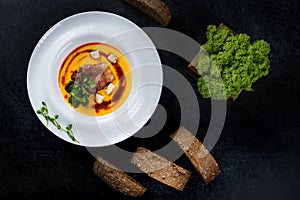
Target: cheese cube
point(99, 98)
point(112, 58)
point(109, 89)
point(95, 54)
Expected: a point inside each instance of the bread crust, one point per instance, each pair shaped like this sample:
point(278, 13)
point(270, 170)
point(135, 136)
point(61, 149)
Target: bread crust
point(160, 168)
point(202, 161)
point(153, 8)
point(117, 179)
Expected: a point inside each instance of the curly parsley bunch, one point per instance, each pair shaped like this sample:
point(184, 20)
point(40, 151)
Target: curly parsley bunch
point(230, 63)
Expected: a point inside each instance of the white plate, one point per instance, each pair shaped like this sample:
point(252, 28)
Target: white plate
point(60, 40)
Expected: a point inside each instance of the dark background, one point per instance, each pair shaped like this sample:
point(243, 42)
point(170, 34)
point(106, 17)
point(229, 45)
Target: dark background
point(258, 151)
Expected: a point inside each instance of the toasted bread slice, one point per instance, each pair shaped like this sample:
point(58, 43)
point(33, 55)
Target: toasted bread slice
point(117, 179)
point(160, 168)
point(203, 162)
point(153, 8)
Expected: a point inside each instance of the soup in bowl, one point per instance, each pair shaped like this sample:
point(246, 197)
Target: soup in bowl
point(95, 79)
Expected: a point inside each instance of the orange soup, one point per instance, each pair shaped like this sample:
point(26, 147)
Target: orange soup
point(100, 99)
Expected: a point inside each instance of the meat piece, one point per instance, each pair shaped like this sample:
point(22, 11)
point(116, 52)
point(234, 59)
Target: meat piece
point(101, 84)
point(99, 73)
point(92, 90)
point(75, 75)
point(107, 72)
point(97, 78)
point(92, 70)
point(103, 66)
point(85, 68)
point(113, 59)
point(105, 79)
point(109, 76)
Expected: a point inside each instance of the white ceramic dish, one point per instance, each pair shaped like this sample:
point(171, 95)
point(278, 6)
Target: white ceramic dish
point(66, 35)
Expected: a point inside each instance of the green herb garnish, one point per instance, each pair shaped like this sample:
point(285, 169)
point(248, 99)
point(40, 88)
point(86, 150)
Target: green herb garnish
point(44, 112)
point(230, 63)
point(78, 91)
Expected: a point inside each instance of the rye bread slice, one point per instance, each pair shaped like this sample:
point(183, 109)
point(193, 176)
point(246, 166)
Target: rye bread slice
point(153, 8)
point(203, 162)
point(160, 168)
point(117, 179)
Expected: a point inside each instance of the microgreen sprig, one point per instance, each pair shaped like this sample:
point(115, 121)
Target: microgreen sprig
point(54, 120)
point(79, 91)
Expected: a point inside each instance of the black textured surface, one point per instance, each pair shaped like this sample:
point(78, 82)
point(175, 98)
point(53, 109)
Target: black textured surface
point(259, 147)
